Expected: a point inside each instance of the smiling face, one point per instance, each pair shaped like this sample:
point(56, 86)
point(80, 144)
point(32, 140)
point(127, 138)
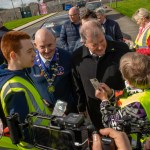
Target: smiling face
point(45, 42)
point(139, 21)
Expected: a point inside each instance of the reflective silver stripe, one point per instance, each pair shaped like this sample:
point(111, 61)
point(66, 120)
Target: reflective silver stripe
point(142, 46)
point(18, 85)
point(144, 40)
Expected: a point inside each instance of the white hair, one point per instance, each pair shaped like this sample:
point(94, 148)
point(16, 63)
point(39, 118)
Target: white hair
point(141, 13)
point(100, 11)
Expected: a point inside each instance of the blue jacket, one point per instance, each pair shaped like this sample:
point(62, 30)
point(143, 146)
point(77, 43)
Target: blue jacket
point(112, 29)
point(62, 82)
point(17, 103)
point(69, 35)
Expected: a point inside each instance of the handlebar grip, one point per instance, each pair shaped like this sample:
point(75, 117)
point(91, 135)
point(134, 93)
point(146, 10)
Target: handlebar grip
point(14, 129)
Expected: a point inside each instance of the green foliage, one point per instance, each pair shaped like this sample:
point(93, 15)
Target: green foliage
point(16, 23)
point(128, 7)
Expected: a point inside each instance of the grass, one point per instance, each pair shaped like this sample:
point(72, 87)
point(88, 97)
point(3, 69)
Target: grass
point(128, 7)
point(16, 23)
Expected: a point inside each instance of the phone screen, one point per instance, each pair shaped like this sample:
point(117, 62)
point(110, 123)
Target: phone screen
point(95, 83)
point(53, 139)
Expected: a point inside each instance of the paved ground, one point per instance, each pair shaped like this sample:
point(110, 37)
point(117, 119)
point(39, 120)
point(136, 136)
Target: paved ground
point(33, 22)
point(128, 27)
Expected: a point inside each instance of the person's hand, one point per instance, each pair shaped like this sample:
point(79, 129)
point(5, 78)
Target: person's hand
point(147, 144)
point(120, 138)
point(96, 142)
point(106, 88)
point(101, 94)
point(130, 43)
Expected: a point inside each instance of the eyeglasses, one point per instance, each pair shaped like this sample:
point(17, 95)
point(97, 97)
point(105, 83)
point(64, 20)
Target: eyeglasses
point(73, 15)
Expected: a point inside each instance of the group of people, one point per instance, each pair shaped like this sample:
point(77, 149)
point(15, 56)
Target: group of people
point(70, 30)
point(38, 74)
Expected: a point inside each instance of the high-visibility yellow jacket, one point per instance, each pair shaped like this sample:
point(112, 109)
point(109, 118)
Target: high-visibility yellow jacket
point(141, 41)
point(33, 99)
point(143, 98)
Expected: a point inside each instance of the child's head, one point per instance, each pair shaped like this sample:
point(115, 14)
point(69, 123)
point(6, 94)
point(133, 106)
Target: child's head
point(135, 68)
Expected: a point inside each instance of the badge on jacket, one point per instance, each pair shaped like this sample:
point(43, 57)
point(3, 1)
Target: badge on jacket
point(60, 70)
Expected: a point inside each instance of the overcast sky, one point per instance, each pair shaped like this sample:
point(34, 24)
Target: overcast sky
point(8, 3)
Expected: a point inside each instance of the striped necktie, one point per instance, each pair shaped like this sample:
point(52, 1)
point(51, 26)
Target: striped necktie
point(47, 64)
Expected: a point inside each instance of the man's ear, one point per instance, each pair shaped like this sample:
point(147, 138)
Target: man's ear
point(85, 44)
point(12, 55)
point(34, 44)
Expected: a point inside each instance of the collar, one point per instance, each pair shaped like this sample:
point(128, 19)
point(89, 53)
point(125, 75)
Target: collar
point(51, 59)
point(104, 21)
point(43, 59)
point(93, 54)
point(86, 52)
point(109, 49)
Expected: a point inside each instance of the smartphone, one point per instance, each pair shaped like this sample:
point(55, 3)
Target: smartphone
point(60, 108)
point(95, 83)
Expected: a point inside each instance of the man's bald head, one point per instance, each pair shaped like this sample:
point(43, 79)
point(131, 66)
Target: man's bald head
point(45, 43)
point(74, 15)
point(74, 10)
point(42, 34)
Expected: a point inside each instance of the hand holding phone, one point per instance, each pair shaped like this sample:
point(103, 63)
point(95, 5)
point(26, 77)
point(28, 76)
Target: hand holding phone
point(95, 83)
point(100, 92)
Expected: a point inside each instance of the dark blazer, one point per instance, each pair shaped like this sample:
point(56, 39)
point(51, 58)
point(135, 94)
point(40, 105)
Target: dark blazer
point(112, 29)
point(106, 70)
point(62, 82)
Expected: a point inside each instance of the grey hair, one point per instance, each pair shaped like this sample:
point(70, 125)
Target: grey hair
point(135, 68)
point(92, 27)
point(100, 11)
point(140, 13)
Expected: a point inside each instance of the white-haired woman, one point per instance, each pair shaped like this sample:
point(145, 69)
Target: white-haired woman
point(142, 18)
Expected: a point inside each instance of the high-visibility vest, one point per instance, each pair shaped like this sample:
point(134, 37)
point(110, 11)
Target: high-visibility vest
point(143, 98)
point(141, 42)
point(33, 98)
point(6, 144)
